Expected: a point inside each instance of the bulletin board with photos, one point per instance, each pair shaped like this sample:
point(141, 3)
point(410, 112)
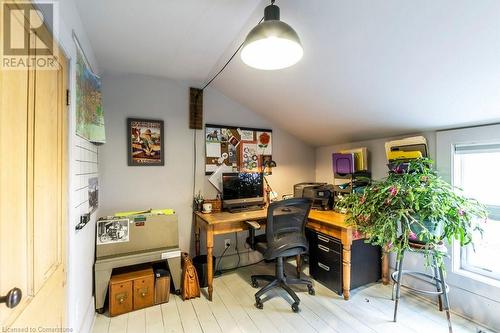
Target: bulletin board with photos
point(241, 149)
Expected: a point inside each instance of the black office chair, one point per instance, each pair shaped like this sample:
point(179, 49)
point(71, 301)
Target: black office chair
point(285, 237)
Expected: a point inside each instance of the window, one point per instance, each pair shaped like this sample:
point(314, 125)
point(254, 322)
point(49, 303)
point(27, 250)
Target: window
point(476, 171)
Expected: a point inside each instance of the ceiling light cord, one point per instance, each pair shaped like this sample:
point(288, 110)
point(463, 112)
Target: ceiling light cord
point(231, 58)
point(201, 94)
point(223, 67)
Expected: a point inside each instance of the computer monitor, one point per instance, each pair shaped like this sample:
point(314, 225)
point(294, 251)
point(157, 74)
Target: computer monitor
point(242, 190)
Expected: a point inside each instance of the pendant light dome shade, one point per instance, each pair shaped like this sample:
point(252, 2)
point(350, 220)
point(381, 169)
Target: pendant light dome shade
point(272, 44)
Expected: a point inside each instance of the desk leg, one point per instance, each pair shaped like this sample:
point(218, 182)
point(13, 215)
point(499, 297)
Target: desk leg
point(196, 236)
point(210, 273)
point(346, 270)
point(385, 266)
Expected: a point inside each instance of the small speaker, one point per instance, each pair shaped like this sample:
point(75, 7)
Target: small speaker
point(195, 108)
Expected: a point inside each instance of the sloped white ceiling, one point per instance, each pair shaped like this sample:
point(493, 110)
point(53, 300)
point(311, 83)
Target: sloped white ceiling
point(179, 39)
point(370, 68)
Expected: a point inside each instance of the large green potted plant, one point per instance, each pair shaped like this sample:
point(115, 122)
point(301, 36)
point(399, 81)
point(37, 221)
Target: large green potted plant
point(413, 205)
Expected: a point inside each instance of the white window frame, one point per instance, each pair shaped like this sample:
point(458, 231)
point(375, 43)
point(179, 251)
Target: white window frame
point(460, 264)
point(446, 141)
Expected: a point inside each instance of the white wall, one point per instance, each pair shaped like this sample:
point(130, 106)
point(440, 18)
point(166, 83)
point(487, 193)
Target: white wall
point(472, 304)
point(80, 311)
point(171, 186)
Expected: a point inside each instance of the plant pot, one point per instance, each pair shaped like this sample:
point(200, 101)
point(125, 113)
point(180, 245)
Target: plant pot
point(436, 229)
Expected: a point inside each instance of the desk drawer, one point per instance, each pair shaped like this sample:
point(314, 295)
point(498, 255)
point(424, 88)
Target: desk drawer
point(328, 257)
point(329, 273)
point(327, 242)
point(325, 260)
point(143, 292)
point(131, 290)
point(120, 298)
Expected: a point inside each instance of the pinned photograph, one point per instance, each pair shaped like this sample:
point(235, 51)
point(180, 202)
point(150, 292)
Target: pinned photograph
point(264, 140)
point(250, 161)
point(234, 141)
point(112, 231)
point(225, 134)
point(246, 135)
point(232, 158)
point(93, 194)
point(213, 134)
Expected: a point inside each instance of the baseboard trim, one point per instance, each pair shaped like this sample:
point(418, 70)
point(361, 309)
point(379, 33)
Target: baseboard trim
point(89, 319)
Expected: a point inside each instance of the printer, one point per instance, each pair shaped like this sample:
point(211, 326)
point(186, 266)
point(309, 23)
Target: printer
point(321, 194)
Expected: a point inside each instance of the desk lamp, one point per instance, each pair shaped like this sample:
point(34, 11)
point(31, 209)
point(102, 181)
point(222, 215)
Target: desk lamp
point(268, 167)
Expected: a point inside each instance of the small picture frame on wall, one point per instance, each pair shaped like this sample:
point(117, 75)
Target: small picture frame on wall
point(145, 142)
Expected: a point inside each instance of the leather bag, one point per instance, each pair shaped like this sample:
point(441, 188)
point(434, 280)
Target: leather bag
point(190, 287)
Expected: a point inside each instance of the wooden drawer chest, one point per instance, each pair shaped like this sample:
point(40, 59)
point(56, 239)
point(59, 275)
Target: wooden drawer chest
point(131, 291)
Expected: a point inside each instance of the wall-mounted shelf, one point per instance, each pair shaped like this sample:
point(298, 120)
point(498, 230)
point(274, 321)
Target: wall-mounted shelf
point(347, 183)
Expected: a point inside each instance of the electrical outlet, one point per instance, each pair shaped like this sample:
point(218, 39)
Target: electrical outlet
point(227, 243)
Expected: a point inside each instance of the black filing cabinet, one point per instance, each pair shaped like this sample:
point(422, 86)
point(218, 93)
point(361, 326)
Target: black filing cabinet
point(325, 261)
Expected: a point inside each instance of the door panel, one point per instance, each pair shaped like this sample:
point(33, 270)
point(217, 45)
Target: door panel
point(46, 179)
point(13, 182)
point(33, 208)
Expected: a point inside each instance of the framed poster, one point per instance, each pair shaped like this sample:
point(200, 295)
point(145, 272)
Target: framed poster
point(145, 142)
point(240, 148)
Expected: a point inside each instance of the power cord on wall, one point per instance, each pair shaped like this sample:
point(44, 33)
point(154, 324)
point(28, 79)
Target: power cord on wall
point(195, 146)
point(243, 266)
point(202, 89)
point(217, 271)
point(194, 165)
point(237, 250)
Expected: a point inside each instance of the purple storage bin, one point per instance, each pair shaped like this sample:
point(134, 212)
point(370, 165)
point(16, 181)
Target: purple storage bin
point(343, 163)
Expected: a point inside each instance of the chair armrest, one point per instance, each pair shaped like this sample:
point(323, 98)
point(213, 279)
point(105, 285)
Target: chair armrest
point(254, 225)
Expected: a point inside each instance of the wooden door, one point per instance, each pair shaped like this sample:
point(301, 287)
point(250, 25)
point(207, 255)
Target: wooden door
point(33, 210)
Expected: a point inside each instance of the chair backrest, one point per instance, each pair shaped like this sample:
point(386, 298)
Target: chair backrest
point(285, 228)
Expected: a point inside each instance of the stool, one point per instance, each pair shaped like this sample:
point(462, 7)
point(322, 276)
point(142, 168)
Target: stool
point(438, 280)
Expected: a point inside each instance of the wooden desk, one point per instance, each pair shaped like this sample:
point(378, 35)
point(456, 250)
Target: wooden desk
point(327, 222)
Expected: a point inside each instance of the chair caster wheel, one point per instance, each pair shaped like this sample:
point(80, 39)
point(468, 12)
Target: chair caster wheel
point(311, 290)
point(295, 307)
point(255, 284)
point(258, 304)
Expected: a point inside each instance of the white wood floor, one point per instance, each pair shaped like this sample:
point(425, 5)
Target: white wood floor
point(370, 309)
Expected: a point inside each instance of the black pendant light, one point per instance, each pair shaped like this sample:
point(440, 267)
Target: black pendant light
point(272, 44)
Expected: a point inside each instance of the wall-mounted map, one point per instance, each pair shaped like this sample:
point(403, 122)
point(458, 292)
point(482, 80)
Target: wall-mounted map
point(241, 148)
point(89, 112)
